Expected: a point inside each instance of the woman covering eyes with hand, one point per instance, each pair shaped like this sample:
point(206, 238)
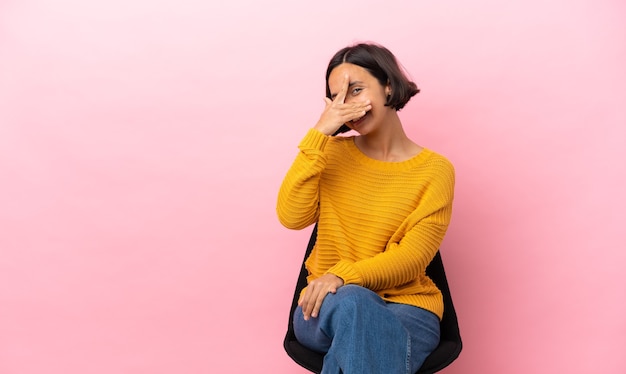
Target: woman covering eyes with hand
point(382, 204)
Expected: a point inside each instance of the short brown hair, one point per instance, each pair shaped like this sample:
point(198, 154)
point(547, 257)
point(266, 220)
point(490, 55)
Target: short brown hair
point(382, 64)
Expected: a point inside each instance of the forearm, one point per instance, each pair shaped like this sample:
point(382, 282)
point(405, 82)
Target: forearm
point(298, 197)
point(399, 264)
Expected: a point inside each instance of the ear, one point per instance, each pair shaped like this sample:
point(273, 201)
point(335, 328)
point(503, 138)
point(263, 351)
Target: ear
point(388, 89)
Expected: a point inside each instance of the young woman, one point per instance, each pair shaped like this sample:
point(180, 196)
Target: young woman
point(382, 204)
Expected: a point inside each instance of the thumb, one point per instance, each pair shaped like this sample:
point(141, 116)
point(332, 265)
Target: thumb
point(327, 101)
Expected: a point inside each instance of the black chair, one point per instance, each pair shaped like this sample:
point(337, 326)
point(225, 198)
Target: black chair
point(447, 351)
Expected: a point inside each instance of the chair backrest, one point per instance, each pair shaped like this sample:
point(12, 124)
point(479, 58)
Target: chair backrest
point(450, 344)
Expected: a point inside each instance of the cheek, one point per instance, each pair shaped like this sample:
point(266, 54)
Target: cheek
point(356, 99)
point(378, 102)
point(365, 97)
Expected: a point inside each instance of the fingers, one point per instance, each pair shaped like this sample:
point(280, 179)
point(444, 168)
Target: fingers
point(341, 95)
point(318, 304)
point(314, 295)
point(357, 109)
point(349, 111)
point(312, 301)
point(353, 111)
point(336, 114)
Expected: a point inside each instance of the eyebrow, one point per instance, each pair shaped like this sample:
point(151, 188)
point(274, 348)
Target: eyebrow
point(332, 96)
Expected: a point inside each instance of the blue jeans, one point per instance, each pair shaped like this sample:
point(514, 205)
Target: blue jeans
point(360, 333)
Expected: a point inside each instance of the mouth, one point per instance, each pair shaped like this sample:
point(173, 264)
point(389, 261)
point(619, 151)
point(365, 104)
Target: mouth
point(357, 122)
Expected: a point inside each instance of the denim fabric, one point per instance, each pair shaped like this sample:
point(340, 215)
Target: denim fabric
point(360, 333)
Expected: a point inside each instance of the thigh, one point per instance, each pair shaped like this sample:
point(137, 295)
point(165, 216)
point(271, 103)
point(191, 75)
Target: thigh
point(423, 327)
point(309, 332)
point(317, 333)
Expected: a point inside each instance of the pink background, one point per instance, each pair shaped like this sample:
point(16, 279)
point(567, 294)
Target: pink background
point(142, 144)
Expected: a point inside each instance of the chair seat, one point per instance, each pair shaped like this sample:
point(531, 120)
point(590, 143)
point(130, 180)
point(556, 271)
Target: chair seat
point(441, 357)
point(446, 352)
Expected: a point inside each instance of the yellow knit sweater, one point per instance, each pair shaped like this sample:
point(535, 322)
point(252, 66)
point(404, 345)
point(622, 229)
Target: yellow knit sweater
point(379, 223)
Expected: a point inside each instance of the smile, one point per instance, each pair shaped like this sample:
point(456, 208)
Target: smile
point(358, 121)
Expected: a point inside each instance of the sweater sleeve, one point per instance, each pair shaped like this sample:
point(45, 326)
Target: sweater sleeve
point(413, 245)
point(298, 197)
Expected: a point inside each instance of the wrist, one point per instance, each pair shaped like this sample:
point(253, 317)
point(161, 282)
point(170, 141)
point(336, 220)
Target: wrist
point(325, 128)
point(339, 280)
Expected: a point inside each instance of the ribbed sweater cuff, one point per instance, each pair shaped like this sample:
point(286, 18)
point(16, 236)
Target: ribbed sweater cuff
point(346, 271)
point(314, 139)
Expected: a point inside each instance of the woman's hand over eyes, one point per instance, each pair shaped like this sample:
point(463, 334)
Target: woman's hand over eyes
point(337, 112)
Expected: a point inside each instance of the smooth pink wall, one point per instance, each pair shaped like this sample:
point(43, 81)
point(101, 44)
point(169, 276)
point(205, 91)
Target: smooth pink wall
point(142, 144)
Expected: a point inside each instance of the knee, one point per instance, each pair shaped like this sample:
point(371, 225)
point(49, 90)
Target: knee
point(351, 306)
point(352, 297)
point(354, 291)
